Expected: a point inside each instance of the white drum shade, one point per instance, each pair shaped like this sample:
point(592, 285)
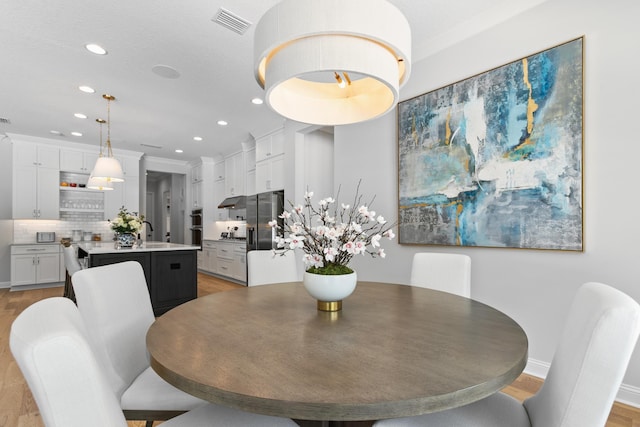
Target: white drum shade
point(301, 46)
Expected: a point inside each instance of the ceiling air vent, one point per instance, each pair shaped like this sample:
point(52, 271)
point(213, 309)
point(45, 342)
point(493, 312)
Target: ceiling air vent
point(151, 146)
point(4, 121)
point(231, 21)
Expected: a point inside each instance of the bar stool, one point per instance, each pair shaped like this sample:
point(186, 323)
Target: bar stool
point(72, 266)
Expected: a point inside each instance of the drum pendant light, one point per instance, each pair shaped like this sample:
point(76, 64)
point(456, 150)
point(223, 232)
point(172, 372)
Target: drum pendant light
point(93, 183)
point(332, 62)
point(107, 168)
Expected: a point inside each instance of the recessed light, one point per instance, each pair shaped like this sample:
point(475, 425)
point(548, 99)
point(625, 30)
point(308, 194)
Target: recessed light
point(222, 123)
point(94, 48)
point(179, 151)
point(55, 132)
point(80, 115)
point(257, 101)
point(76, 133)
point(197, 138)
point(87, 89)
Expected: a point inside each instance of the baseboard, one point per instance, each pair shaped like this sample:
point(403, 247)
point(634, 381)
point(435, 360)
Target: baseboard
point(627, 394)
point(37, 286)
point(4, 285)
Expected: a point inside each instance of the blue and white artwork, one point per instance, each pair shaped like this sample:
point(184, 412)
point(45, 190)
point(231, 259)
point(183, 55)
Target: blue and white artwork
point(496, 160)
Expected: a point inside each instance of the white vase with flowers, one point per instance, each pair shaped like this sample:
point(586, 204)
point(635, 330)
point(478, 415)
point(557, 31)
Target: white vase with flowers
point(330, 234)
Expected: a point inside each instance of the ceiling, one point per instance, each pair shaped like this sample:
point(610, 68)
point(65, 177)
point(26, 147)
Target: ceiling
point(43, 61)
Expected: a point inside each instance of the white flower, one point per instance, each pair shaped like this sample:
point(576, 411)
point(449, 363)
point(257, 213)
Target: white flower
point(359, 248)
point(389, 234)
point(349, 247)
point(381, 253)
point(333, 234)
point(273, 223)
point(357, 228)
point(295, 241)
point(330, 253)
point(308, 194)
point(362, 210)
point(285, 215)
point(298, 209)
point(381, 220)
point(345, 207)
point(375, 240)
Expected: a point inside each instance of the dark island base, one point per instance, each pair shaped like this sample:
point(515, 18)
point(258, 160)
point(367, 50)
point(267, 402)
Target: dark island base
point(172, 277)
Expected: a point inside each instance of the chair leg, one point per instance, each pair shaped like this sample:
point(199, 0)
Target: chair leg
point(149, 423)
point(68, 288)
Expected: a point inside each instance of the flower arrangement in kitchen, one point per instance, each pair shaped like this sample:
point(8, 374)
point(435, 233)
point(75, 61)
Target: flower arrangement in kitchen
point(126, 222)
point(331, 234)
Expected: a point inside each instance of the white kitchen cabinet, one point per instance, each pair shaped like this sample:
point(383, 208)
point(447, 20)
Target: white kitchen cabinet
point(231, 259)
point(35, 182)
point(270, 162)
point(239, 271)
point(218, 191)
point(29, 154)
point(270, 174)
point(209, 257)
point(35, 264)
point(251, 183)
point(78, 161)
point(234, 175)
point(125, 193)
point(219, 170)
point(196, 186)
point(270, 145)
point(250, 167)
point(130, 166)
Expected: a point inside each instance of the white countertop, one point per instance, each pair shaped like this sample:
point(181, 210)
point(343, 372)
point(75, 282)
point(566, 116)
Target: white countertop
point(109, 247)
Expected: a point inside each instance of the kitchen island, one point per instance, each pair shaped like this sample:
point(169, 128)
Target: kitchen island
point(170, 268)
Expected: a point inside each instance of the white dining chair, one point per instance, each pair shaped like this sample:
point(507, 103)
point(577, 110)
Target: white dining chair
point(442, 272)
point(263, 267)
point(598, 338)
point(72, 265)
point(49, 342)
point(115, 305)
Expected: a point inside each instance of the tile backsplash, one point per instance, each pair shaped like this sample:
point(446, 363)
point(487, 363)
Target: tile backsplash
point(24, 231)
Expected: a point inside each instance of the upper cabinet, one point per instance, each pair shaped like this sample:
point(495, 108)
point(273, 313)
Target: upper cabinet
point(270, 145)
point(77, 161)
point(125, 193)
point(35, 181)
point(269, 173)
point(234, 175)
point(250, 167)
point(28, 154)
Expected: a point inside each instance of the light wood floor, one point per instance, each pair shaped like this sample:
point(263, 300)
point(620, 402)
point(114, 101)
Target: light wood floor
point(18, 409)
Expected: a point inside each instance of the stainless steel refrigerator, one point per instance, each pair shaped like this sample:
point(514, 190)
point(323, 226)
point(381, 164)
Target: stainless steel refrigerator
point(261, 209)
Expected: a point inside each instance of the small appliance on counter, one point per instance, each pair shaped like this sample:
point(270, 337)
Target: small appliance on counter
point(87, 235)
point(45, 236)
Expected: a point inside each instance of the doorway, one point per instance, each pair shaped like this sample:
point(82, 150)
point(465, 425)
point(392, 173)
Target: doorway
point(166, 206)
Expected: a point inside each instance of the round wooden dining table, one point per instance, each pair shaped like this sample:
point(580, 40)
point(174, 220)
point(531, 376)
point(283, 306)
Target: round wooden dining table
point(392, 351)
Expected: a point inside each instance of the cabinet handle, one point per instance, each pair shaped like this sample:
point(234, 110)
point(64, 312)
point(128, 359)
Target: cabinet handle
point(36, 250)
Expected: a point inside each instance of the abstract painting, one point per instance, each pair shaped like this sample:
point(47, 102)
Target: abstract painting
point(496, 160)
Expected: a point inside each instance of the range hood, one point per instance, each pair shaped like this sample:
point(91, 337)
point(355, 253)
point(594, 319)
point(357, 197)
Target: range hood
point(235, 202)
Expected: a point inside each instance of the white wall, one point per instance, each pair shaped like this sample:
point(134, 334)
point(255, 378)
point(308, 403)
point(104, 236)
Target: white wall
point(533, 287)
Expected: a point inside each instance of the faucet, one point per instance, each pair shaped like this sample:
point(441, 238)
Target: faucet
point(147, 222)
